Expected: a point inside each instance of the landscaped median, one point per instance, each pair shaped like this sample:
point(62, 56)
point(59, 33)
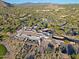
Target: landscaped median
point(3, 51)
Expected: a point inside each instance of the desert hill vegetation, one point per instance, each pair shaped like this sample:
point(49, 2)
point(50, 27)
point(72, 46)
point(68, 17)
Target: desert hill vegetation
point(62, 18)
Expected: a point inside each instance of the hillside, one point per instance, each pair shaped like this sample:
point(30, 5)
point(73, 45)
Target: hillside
point(61, 17)
point(5, 4)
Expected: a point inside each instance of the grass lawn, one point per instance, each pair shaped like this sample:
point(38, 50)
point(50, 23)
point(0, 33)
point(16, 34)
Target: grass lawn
point(3, 50)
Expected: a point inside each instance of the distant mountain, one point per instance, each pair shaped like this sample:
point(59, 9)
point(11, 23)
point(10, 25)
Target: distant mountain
point(32, 4)
point(45, 4)
point(40, 5)
point(5, 4)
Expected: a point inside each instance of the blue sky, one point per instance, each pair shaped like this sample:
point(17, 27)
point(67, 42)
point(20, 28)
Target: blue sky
point(43, 1)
